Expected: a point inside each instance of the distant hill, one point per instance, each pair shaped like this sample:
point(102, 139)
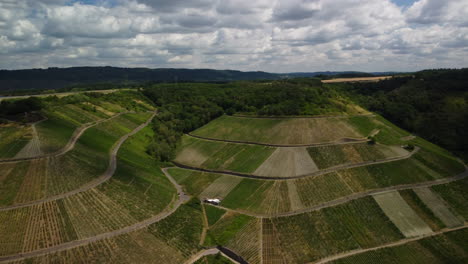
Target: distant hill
point(335, 74)
point(56, 78)
point(30, 80)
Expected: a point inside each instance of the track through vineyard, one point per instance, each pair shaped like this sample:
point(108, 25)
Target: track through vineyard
point(69, 146)
point(103, 178)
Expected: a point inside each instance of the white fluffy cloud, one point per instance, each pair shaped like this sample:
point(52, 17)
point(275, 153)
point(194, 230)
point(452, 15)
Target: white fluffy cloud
point(278, 36)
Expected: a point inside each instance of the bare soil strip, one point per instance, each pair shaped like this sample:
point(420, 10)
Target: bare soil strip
point(288, 162)
point(69, 146)
point(341, 141)
point(401, 214)
point(354, 196)
point(320, 172)
point(32, 149)
point(104, 177)
point(438, 207)
point(358, 79)
point(170, 209)
point(393, 244)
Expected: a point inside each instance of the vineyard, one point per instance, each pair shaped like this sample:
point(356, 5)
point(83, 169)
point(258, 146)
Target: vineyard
point(45, 177)
point(136, 192)
point(330, 156)
point(14, 138)
point(280, 131)
point(220, 155)
point(446, 248)
point(311, 236)
point(86, 185)
point(167, 241)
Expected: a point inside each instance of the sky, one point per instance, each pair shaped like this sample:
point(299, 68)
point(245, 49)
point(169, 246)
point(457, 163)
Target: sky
point(249, 35)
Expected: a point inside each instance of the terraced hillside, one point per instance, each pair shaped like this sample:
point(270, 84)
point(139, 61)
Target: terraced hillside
point(88, 188)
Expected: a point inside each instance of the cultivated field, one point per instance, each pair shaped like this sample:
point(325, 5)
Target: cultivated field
point(137, 192)
point(287, 162)
point(272, 197)
point(311, 236)
point(170, 240)
point(438, 207)
point(445, 248)
point(36, 179)
point(13, 138)
point(401, 214)
point(221, 156)
point(330, 156)
point(286, 131)
point(455, 195)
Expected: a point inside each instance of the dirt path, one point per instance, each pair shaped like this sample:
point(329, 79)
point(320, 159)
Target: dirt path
point(317, 173)
point(342, 141)
point(205, 226)
point(170, 209)
point(354, 196)
point(70, 144)
point(201, 254)
point(393, 244)
point(212, 251)
point(104, 177)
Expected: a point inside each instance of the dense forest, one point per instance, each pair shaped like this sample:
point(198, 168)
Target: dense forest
point(33, 81)
point(59, 78)
point(432, 104)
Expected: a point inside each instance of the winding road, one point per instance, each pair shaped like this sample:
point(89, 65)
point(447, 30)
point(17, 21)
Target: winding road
point(170, 209)
point(313, 174)
point(342, 141)
point(70, 144)
point(392, 244)
point(182, 198)
point(351, 197)
point(104, 177)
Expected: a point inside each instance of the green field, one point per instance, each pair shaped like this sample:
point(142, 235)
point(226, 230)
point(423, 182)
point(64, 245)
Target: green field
point(446, 248)
point(279, 131)
point(221, 156)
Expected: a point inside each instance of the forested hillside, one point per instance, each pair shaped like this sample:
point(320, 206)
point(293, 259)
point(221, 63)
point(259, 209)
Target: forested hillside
point(432, 103)
point(185, 107)
point(106, 77)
